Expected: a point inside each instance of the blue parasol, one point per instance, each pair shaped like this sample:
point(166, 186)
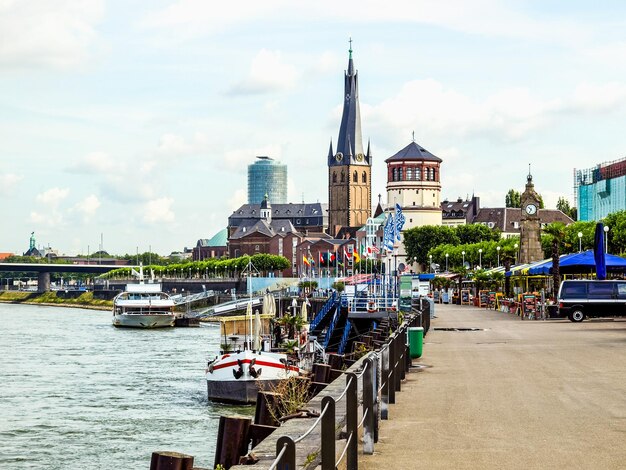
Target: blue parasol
point(598, 252)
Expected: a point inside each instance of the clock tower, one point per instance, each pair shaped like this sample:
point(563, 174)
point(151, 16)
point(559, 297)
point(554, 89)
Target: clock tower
point(349, 168)
point(530, 236)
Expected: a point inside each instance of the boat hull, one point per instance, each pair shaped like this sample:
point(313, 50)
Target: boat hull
point(144, 321)
point(238, 377)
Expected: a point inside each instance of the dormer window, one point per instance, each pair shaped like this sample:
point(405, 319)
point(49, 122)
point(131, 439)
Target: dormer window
point(243, 229)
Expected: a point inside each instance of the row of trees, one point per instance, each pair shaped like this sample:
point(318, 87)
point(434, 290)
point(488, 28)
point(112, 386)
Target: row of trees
point(263, 264)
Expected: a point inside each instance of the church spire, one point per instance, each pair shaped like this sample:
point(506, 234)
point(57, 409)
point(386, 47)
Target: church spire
point(350, 141)
point(330, 150)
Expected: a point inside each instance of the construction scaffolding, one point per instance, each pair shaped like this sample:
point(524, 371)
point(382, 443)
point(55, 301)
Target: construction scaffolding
point(600, 190)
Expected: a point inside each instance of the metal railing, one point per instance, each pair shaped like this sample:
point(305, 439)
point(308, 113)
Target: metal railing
point(324, 310)
point(387, 367)
point(331, 327)
point(345, 337)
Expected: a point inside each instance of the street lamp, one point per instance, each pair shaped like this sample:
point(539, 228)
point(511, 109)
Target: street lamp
point(463, 253)
point(447, 262)
point(480, 258)
point(580, 242)
point(606, 238)
point(430, 266)
point(498, 249)
point(516, 246)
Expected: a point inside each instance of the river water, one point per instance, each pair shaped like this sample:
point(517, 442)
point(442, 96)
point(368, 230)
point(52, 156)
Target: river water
point(78, 393)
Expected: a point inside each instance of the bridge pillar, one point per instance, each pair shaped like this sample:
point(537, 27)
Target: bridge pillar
point(43, 282)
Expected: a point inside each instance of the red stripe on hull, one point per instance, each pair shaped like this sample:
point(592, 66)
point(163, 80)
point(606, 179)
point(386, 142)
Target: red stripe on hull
point(257, 363)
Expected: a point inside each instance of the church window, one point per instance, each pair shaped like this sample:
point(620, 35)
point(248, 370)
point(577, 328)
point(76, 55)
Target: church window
point(297, 221)
point(355, 177)
point(343, 177)
point(400, 178)
point(334, 177)
point(418, 174)
point(395, 174)
point(364, 178)
point(434, 179)
point(256, 247)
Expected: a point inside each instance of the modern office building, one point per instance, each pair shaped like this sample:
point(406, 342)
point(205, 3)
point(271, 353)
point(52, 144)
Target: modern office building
point(268, 177)
point(600, 190)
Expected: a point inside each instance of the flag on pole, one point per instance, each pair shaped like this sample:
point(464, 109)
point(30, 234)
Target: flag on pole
point(357, 258)
point(400, 219)
point(306, 261)
point(388, 233)
point(375, 249)
point(321, 259)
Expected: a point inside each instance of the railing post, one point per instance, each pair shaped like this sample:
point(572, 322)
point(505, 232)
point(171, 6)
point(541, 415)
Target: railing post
point(352, 404)
point(398, 363)
point(392, 369)
point(384, 380)
point(288, 460)
point(403, 346)
point(328, 434)
point(368, 406)
point(377, 393)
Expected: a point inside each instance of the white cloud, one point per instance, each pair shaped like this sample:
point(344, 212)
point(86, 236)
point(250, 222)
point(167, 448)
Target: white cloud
point(52, 197)
point(268, 73)
point(158, 210)
point(238, 198)
point(43, 33)
point(88, 206)
point(8, 182)
point(598, 97)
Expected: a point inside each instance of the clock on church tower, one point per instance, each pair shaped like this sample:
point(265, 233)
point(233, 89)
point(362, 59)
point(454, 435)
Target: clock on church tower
point(530, 236)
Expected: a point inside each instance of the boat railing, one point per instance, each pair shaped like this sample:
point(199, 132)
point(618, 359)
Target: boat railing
point(371, 304)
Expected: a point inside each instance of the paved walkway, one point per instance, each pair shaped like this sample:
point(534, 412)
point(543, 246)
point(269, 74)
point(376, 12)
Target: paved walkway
point(521, 394)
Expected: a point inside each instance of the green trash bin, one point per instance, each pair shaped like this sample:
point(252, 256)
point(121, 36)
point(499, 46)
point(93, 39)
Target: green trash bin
point(416, 341)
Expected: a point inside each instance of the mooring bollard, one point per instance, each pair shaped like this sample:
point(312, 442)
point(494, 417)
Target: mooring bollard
point(328, 434)
point(171, 461)
point(266, 401)
point(321, 373)
point(232, 440)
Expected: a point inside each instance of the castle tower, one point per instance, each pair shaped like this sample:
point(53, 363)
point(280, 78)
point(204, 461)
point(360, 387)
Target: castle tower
point(530, 234)
point(349, 168)
point(414, 182)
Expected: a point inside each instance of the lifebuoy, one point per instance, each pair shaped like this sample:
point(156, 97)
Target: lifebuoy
point(371, 306)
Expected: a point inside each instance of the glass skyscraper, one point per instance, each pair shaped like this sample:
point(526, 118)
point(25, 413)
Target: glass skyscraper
point(267, 176)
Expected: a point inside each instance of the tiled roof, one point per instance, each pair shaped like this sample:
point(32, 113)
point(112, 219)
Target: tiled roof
point(277, 227)
point(413, 151)
point(508, 219)
point(315, 209)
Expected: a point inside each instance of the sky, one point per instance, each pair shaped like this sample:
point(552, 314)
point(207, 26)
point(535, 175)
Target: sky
point(135, 120)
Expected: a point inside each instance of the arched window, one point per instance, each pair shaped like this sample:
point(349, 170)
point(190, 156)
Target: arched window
point(355, 177)
point(434, 177)
point(334, 177)
point(395, 174)
point(432, 174)
point(400, 177)
point(364, 178)
point(343, 176)
point(409, 174)
point(418, 174)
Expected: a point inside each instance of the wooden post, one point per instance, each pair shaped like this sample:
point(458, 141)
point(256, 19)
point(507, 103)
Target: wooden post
point(265, 401)
point(170, 461)
point(232, 440)
point(335, 361)
point(288, 460)
point(321, 373)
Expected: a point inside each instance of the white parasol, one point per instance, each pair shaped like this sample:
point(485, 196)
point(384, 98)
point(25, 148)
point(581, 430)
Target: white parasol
point(256, 345)
point(303, 311)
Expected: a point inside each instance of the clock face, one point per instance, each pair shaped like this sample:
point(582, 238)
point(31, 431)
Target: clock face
point(339, 156)
point(531, 209)
point(359, 157)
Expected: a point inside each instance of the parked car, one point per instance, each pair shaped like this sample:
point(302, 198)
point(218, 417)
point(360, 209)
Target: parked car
point(589, 298)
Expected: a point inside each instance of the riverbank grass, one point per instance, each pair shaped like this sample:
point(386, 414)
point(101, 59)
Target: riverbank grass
point(50, 298)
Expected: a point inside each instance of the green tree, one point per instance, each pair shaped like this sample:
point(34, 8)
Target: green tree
point(513, 199)
point(616, 235)
point(563, 205)
point(476, 233)
point(419, 241)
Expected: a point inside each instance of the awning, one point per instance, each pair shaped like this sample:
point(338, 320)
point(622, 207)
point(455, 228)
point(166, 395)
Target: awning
point(579, 263)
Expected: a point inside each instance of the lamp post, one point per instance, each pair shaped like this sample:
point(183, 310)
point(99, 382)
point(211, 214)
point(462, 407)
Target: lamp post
point(606, 238)
point(580, 242)
point(498, 250)
point(480, 258)
point(447, 262)
point(516, 246)
point(430, 266)
point(463, 253)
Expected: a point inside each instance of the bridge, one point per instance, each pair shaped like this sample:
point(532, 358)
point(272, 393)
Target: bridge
point(43, 270)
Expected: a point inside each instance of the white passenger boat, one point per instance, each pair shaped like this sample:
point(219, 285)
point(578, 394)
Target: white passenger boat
point(143, 306)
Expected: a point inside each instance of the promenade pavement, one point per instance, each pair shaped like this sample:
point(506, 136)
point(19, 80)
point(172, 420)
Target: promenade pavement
point(516, 395)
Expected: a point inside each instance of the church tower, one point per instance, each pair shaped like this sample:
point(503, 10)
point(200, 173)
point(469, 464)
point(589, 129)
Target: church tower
point(530, 236)
point(349, 168)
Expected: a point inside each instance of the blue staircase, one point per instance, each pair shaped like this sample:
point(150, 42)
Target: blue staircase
point(344, 337)
point(324, 316)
